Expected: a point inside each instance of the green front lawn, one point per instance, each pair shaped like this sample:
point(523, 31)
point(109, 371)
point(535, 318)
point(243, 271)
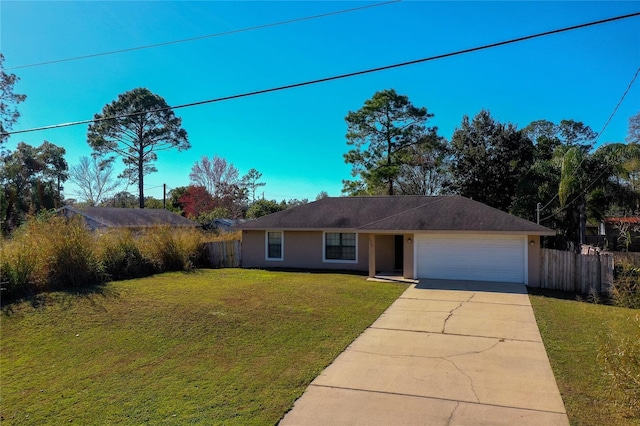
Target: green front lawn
point(572, 332)
point(214, 346)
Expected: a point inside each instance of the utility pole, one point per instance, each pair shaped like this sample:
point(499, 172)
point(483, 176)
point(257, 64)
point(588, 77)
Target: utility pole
point(164, 196)
point(538, 207)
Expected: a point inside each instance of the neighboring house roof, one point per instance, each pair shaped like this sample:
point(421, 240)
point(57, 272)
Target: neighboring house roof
point(631, 220)
point(397, 213)
point(222, 224)
point(113, 217)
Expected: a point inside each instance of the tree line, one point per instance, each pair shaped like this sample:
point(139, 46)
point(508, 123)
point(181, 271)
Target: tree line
point(545, 168)
point(135, 127)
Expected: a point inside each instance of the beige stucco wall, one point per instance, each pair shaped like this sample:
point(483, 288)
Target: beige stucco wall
point(535, 254)
point(302, 249)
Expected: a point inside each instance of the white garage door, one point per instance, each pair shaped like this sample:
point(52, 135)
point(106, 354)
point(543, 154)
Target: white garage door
point(471, 257)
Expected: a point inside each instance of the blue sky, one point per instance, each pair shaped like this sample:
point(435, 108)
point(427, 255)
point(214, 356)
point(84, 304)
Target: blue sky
point(296, 137)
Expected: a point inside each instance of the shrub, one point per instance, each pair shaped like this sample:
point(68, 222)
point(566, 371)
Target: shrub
point(120, 255)
point(625, 291)
point(621, 358)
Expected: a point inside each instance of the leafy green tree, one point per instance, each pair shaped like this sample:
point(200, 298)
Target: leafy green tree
point(321, 195)
point(294, 202)
point(489, 160)
point(173, 203)
point(135, 127)
point(94, 179)
point(382, 132)
point(429, 169)
point(217, 213)
point(9, 114)
point(32, 179)
point(542, 180)
point(588, 186)
point(153, 203)
point(571, 182)
point(122, 199)
point(251, 182)
point(264, 207)
point(627, 176)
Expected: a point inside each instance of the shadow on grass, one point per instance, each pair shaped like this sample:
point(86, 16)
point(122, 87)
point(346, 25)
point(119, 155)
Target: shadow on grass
point(66, 296)
point(598, 299)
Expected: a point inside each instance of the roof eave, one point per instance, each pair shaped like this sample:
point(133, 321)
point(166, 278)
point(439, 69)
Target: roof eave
point(403, 231)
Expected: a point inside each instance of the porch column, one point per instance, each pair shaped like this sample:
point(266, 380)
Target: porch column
point(407, 264)
point(372, 255)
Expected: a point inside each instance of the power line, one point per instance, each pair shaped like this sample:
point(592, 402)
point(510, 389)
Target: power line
point(152, 187)
point(225, 33)
point(332, 78)
point(584, 191)
point(618, 105)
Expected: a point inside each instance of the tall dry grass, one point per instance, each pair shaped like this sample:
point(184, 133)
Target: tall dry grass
point(172, 249)
point(59, 253)
point(215, 237)
point(625, 292)
point(121, 255)
point(620, 355)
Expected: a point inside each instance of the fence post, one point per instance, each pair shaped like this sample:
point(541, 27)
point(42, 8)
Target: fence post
point(606, 272)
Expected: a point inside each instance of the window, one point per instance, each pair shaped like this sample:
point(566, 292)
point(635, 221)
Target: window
point(274, 245)
point(340, 247)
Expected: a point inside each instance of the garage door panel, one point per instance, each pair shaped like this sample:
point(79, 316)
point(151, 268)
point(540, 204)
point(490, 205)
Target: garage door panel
point(476, 258)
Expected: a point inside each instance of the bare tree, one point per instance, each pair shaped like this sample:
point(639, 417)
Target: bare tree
point(95, 179)
point(215, 175)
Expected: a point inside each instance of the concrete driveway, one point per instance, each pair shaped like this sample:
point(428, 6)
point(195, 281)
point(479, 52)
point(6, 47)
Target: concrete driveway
point(444, 353)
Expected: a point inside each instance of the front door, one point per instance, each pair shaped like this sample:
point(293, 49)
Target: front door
point(399, 252)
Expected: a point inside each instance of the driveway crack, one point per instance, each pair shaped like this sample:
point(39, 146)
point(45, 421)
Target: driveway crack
point(453, 412)
point(444, 325)
point(473, 389)
point(477, 352)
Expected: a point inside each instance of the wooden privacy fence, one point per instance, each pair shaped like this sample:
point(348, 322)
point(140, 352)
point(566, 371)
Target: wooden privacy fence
point(224, 254)
point(569, 271)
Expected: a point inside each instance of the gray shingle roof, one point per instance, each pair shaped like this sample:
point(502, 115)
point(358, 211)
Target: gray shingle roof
point(397, 213)
point(112, 217)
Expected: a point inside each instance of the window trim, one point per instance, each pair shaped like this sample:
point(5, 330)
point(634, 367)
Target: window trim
point(324, 248)
point(266, 246)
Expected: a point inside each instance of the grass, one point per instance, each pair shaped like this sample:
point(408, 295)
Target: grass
point(223, 236)
point(223, 346)
point(573, 333)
